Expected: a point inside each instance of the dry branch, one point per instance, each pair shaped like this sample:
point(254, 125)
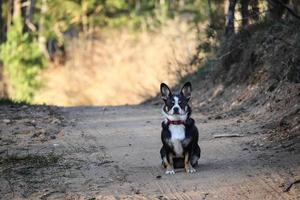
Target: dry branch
point(290, 185)
point(227, 135)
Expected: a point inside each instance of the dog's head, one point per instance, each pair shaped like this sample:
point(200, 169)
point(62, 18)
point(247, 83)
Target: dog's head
point(176, 105)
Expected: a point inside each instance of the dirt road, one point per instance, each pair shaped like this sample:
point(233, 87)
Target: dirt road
point(113, 153)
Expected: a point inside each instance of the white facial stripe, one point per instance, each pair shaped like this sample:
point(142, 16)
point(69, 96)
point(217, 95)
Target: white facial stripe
point(176, 105)
point(176, 99)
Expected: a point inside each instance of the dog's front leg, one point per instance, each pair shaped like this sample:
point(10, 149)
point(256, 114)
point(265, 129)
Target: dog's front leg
point(187, 163)
point(170, 165)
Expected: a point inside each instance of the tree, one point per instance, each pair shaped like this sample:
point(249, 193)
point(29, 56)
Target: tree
point(21, 57)
point(254, 12)
point(276, 9)
point(245, 12)
point(296, 6)
point(2, 26)
point(230, 17)
point(10, 9)
point(29, 24)
point(41, 32)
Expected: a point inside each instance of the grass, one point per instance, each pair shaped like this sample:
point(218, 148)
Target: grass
point(6, 101)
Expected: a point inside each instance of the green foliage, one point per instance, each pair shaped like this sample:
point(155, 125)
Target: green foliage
point(82, 15)
point(6, 101)
point(22, 60)
point(215, 28)
point(52, 20)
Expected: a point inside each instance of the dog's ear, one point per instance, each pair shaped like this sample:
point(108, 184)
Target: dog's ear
point(186, 90)
point(165, 91)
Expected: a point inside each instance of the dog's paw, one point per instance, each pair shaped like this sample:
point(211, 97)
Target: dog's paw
point(190, 170)
point(171, 172)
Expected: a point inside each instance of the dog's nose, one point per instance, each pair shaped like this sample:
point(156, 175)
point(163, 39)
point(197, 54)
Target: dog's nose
point(176, 110)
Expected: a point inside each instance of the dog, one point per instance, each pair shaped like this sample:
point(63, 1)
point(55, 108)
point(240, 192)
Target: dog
point(179, 133)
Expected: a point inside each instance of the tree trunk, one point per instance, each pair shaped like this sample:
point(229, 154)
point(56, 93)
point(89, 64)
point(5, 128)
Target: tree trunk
point(29, 16)
point(245, 12)
point(276, 10)
point(138, 5)
point(2, 26)
point(230, 18)
point(84, 17)
point(254, 10)
point(210, 11)
point(296, 6)
point(217, 16)
point(17, 9)
point(24, 5)
point(41, 38)
point(10, 12)
point(216, 11)
point(181, 4)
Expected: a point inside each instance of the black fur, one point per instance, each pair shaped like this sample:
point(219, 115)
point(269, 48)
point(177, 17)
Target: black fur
point(191, 133)
point(190, 141)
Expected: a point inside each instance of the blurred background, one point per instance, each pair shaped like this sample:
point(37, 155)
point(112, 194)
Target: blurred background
point(115, 52)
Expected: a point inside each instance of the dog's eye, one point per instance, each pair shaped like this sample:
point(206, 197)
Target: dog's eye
point(181, 103)
point(173, 101)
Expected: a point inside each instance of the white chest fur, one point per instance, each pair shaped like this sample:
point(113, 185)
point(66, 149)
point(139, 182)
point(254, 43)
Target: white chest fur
point(177, 135)
point(177, 132)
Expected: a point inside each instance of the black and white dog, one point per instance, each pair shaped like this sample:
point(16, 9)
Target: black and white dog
point(179, 134)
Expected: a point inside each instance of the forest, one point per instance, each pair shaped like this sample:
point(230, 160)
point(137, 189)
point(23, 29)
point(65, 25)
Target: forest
point(36, 33)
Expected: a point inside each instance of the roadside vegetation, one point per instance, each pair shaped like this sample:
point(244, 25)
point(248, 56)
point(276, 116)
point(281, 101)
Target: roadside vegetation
point(36, 34)
point(68, 52)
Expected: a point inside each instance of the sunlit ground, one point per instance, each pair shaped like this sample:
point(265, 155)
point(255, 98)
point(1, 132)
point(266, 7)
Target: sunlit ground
point(119, 67)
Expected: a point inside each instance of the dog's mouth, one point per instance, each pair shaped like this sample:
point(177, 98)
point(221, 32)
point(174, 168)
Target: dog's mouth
point(178, 114)
point(172, 116)
point(174, 113)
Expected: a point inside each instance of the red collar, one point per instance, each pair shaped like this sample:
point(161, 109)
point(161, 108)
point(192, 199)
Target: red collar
point(177, 122)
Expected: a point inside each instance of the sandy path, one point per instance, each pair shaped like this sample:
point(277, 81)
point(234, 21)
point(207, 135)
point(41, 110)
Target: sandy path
point(113, 153)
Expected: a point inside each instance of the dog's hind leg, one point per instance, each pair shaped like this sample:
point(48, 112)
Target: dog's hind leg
point(163, 155)
point(167, 160)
